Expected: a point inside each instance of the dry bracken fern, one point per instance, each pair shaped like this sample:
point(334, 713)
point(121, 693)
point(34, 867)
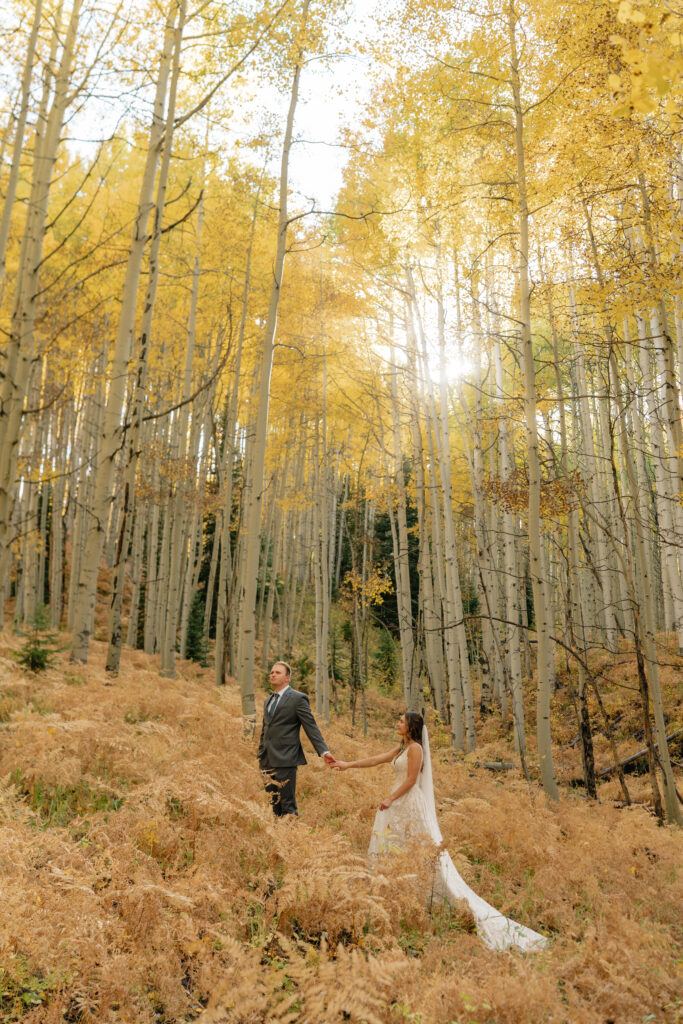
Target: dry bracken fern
point(145, 880)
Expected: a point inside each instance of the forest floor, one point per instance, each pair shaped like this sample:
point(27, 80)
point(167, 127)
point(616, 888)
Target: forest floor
point(144, 878)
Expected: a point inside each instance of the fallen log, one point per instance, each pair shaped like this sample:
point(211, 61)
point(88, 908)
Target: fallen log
point(495, 766)
point(634, 757)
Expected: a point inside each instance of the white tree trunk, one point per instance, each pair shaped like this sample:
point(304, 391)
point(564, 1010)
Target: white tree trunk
point(21, 345)
point(666, 498)
point(110, 439)
point(645, 622)
point(401, 561)
point(544, 642)
point(252, 519)
point(13, 179)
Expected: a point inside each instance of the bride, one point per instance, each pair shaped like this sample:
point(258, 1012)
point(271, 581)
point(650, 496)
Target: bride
point(409, 812)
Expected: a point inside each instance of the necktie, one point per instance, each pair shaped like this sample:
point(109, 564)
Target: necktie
point(273, 704)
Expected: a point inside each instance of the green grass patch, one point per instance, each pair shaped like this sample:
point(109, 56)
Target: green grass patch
point(40, 707)
point(175, 808)
point(74, 680)
point(412, 942)
point(451, 920)
point(134, 716)
point(56, 806)
point(23, 987)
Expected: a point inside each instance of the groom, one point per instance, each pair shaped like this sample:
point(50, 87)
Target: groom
point(280, 752)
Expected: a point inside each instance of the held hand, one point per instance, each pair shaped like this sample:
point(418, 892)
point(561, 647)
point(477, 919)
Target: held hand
point(329, 759)
point(386, 804)
point(340, 766)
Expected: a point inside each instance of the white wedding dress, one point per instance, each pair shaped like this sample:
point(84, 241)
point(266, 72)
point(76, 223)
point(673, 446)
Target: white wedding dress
point(413, 815)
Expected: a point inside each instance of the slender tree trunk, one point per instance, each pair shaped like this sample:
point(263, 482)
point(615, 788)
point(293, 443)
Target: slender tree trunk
point(491, 670)
point(92, 414)
point(136, 427)
point(255, 490)
point(664, 351)
point(431, 618)
point(57, 520)
point(111, 432)
point(666, 498)
point(225, 624)
point(192, 569)
point(136, 574)
point(602, 496)
point(275, 566)
point(321, 568)
point(431, 622)
point(401, 556)
point(324, 516)
point(647, 651)
point(17, 149)
point(21, 344)
point(514, 595)
point(213, 566)
point(152, 570)
point(544, 642)
point(186, 459)
point(575, 623)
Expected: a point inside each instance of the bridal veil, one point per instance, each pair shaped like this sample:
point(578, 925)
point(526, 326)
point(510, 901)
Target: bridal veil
point(496, 931)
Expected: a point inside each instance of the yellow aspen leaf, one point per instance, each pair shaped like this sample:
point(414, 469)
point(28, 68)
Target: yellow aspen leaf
point(614, 82)
point(675, 38)
point(655, 79)
point(625, 10)
point(644, 104)
point(637, 17)
point(632, 55)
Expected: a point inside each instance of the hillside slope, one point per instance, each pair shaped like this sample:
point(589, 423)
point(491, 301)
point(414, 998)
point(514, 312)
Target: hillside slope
point(144, 878)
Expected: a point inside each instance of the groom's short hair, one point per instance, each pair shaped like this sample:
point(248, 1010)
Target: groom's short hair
point(287, 668)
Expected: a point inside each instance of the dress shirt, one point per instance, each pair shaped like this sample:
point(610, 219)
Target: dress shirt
point(274, 699)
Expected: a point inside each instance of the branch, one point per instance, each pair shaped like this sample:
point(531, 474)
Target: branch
point(186, 216)
point(212, 92)
point(190, 398)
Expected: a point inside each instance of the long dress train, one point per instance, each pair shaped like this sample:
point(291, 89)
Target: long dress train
point(413, 815)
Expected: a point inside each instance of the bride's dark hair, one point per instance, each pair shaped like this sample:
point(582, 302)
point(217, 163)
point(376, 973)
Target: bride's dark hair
point(415, 724)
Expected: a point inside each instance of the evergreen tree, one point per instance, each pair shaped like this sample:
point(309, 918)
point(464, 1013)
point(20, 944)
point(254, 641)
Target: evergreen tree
point(41, 646)
point(196, 647)
point(386, 661)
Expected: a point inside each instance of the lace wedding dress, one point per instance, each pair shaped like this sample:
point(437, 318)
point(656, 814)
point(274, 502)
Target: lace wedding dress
point(413, 815)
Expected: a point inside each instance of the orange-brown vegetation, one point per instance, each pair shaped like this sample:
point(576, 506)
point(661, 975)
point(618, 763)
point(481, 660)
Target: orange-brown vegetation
point(145, 880)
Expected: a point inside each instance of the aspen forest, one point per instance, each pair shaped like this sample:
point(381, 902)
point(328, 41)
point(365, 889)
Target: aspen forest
point(349, 334)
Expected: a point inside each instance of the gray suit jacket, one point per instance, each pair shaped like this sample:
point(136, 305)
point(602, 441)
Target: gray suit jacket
point(280, 743)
